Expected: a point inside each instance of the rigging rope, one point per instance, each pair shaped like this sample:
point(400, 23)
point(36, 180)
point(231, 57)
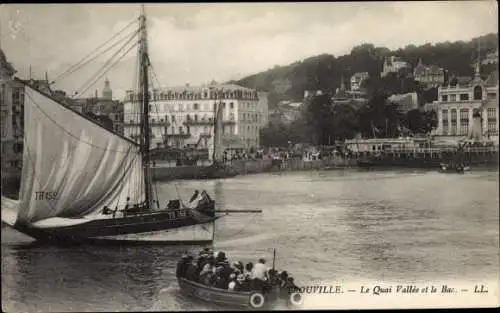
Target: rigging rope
point(90, 82)
point(244, 227)
point(79, 65)
point(107, 70)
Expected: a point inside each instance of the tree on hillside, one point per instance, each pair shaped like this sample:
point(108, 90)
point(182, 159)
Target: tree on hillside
point(379, 118)
point(274, 135)
point(319, 115)
point(323, 71)
point(421, 122)
point(345, 123)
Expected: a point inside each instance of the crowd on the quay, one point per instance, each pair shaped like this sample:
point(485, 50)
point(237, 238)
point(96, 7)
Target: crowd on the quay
point(215, 270)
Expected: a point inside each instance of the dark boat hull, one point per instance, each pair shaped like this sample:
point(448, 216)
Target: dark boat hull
point(389, 162)
point(155, 228)
point(220, 296)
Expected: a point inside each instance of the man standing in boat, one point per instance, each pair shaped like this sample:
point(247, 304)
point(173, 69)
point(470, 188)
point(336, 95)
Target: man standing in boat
point(260, 276)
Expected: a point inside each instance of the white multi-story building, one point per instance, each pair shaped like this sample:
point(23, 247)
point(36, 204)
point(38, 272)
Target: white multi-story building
point(461, 100)
point(183, 117)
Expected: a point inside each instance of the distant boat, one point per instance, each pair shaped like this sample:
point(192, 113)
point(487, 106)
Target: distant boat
point(82, 183)
point(450, 168)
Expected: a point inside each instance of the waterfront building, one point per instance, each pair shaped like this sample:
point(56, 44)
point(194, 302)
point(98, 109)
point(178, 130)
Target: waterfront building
point(104, 109)
point(12, 119)
point(183, 117)
point(429, 75)
point(461, 100)
point(394, 64)
point(263, 107)
point(357, 79)
point(375, 145)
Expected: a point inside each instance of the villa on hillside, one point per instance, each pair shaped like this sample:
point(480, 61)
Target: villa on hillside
point(394, 64)
point(430, 75)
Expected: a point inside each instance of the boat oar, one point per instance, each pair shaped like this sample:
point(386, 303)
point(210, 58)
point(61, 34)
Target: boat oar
point(238, 211)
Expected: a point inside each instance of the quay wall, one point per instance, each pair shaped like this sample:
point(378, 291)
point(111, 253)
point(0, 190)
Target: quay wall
point(394, 157)
point(244, 167)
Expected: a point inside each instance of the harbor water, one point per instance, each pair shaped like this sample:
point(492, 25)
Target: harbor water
point(337, 226)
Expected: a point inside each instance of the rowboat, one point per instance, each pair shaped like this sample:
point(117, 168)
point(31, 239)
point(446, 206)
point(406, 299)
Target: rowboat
point(240, 299)
point(446, 168)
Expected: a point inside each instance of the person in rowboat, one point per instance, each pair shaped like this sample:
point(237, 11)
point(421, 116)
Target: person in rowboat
point(248, 270)
point(192, 272)
point(260, 276)
point(183, 265)
point(207, 272)
point(244, 282)
point(234, 284)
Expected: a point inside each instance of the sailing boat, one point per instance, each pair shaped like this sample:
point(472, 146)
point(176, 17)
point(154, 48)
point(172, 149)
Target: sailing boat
point(82, 183)
point(218, 169)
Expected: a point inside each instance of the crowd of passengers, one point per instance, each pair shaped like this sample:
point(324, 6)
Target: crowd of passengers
point(215, 270)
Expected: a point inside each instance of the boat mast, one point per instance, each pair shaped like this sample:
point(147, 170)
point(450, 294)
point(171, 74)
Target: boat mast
point(144, 92)
point(216, 109)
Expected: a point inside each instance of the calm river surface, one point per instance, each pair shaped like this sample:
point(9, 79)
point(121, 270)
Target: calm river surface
point(337, 226)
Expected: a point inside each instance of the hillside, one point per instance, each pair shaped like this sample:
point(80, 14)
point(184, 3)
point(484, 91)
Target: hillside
point(324, 71)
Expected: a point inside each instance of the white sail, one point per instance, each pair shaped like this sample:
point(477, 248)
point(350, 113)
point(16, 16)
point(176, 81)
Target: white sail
point(73, 167)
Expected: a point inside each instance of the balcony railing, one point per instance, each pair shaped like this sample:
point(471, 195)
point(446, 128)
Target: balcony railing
point(208, 121)
point(178, 135)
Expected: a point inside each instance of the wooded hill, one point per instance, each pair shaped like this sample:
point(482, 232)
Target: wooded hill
point(324, 71)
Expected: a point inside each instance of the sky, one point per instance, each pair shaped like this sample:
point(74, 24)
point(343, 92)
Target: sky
point(197, 43)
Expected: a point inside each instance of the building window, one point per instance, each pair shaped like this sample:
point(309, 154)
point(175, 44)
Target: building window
point(453, 122)
point(464, 129)
point(231, 116)
point(492, 127)
point(464, 97)
point(231, 105)
point(453, 97)
point(180, 129)
point(478, 93)
point(196, 117)
point(453, 116)
point(491, 113)
point(173, 118)
point(464, 115)
point(188, 117)
point(166, 118)
point(195, 106)
point(491, 96)
point(173, 129)
point(18, 147)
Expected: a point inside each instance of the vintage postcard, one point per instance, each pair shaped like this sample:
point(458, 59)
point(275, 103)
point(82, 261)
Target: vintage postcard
point(241, 156)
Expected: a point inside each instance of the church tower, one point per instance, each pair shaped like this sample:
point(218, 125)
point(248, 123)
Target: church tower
point(107, 93)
